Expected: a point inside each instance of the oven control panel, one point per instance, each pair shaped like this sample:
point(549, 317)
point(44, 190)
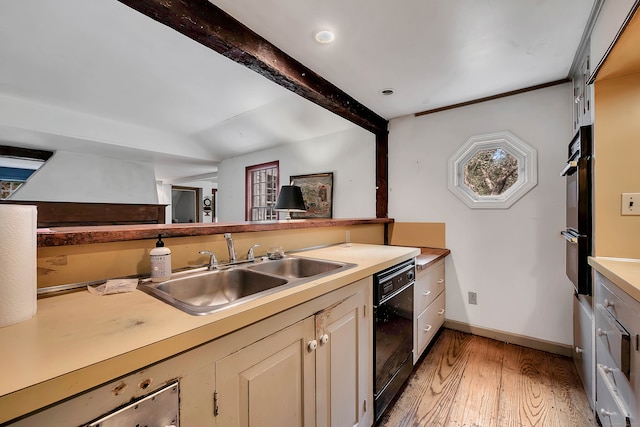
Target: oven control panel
point(391, 280)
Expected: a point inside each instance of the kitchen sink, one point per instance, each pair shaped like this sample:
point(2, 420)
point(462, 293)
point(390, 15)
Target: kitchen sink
point(296, 268)
point(200, 291)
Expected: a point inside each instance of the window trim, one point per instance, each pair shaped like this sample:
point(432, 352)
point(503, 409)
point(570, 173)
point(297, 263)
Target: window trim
point(527, 170)
point(247, 184)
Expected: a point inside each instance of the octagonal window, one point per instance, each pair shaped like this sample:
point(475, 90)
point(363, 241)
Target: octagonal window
point(493, 171)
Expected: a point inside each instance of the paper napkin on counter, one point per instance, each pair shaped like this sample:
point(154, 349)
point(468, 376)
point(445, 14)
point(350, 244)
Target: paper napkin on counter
point(115, 286)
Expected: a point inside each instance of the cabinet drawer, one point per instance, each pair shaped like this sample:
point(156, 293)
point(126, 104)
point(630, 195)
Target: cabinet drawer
point(428, 323)
point(616, 303)
point(610, 408)
point(616, 379)
point(613, 339)
point(429, 284)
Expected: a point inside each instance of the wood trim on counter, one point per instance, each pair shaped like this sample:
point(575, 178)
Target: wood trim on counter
point(119, 233)
point(75, 214)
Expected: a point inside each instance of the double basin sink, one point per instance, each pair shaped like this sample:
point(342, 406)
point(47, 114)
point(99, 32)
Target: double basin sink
point(200, 291)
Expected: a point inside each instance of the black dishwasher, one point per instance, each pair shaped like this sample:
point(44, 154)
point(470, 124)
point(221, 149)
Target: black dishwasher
point(392, 332)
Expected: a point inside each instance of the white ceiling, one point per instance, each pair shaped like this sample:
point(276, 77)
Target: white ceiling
point(98, 76)
point(433, 53)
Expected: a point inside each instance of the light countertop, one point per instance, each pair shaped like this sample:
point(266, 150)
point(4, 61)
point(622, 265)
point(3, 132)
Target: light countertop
point(623, 272)
point(77, 341)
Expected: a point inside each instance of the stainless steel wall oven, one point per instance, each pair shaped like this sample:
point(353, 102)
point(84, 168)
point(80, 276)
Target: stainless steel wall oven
point(393, 332)
point(578, 235)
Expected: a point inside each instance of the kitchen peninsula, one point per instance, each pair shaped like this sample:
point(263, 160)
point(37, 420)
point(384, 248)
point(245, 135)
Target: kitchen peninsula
point(78, 341)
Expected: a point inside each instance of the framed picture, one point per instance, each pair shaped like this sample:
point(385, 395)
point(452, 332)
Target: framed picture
point(317, 192)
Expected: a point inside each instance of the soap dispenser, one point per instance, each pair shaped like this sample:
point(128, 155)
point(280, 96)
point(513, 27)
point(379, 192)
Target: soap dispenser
point(160, 262)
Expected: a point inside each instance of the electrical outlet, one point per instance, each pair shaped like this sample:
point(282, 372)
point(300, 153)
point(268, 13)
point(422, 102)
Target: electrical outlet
point(630, 203)
point(473, 298)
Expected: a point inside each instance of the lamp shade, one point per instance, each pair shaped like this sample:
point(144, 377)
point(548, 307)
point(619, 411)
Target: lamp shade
point(290, 199)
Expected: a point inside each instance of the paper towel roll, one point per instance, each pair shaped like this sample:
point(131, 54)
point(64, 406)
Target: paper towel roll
point(18, 271)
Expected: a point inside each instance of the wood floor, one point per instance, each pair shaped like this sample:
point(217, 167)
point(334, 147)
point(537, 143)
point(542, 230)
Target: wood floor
point(470, 381)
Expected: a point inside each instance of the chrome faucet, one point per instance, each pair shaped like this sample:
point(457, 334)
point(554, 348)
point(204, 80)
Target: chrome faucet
point(250, 255)
point(213, 261)
point(230, 247)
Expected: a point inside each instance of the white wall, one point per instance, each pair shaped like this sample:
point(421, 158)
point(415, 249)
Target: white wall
point(350, 155)
point(75, 177)
point(513, 258)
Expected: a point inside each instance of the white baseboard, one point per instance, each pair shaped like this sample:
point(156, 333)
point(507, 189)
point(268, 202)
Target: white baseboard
point(537, 344)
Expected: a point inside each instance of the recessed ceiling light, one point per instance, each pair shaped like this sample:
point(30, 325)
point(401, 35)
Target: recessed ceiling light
point(324, 36)
point(387, 92)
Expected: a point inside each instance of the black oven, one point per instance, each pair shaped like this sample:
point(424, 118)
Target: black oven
point(393, 332)
point(578, 173)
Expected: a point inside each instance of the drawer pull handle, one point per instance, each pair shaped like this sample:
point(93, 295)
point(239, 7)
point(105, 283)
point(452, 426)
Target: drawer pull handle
point(579, 350)
point(441, 311)
point(608, 303)
point(426, 294)
point(428, 328)
point(606, 413)
point(440, 281)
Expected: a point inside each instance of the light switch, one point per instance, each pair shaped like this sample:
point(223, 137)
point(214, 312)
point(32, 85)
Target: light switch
point(630, 203)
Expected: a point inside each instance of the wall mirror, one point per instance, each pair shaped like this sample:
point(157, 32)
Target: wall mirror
point(129, 113)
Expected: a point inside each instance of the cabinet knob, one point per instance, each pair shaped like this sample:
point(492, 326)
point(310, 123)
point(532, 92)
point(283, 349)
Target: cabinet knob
point(324, 339)
point(426, 294)
point(579, 350)
point(441, 311)
point(440, 281)
point(601, 333)
point(608, 303)
point(605, 413)
point(607, 370)
point(312, 345)
point(428, 328)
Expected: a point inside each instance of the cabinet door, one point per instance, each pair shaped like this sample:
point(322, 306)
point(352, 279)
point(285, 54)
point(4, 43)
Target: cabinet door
point(343, 363)
point(583, 350)
point(577, 103)
point(269, 383)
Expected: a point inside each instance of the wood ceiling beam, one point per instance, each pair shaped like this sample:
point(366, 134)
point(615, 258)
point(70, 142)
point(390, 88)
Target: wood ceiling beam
point(210, 26)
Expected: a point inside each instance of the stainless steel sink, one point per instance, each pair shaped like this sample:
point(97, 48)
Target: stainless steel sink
point(296, 268)
point(204, 292)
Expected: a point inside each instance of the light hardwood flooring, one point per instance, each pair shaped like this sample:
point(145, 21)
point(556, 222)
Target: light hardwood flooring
point(470, 381)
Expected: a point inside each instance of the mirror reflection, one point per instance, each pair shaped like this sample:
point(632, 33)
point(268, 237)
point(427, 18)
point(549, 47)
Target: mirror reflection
point(132, 113)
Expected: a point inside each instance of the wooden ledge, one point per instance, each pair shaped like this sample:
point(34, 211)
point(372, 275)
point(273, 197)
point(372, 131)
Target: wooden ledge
point(63, 236)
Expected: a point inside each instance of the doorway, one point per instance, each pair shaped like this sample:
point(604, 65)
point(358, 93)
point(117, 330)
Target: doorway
point(185, 204)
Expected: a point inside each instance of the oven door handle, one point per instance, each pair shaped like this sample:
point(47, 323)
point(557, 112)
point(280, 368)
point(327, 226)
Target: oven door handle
point(569, 237)
point(570, 167)
point(394, 294)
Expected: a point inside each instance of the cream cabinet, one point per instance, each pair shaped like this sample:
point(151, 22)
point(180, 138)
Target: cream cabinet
point(310, 365)
point(610, 21)
point(617, 323)
point(428, 304)
point(270, 382)
point(313, 373)
point(344, 363)
point(582, 92)
point(583, 349)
